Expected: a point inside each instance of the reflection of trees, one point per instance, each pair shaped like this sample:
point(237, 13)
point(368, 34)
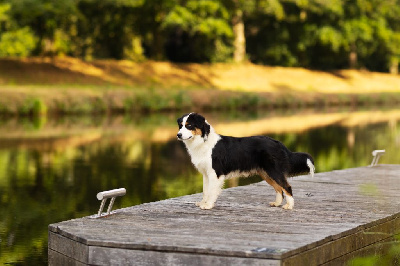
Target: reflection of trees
point(331, 148)
point(39, 188)
point(30, 199)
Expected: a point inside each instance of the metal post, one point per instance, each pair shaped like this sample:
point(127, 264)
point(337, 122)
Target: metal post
point(104, 195)
point(377, 154)
point(103, 202)
point(110, 205)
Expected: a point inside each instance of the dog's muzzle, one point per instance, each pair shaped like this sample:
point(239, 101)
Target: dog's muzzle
point(179, 136)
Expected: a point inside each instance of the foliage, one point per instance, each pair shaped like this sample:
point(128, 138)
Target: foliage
point(14, 41)
point(18, 42)
point(200, 29)
point(314, 33)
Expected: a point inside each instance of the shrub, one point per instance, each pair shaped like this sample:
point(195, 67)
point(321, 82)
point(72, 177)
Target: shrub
point(19, 42)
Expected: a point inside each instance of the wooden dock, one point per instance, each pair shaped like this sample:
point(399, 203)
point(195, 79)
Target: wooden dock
point(337, 215)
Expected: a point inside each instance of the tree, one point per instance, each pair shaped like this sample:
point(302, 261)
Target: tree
point(361, 29)
point(14, 41)
point(150, 15)
point(47, 18)
point(272, 30)
point(199, 31)
point(306, 33)
point(239, 10)
point(104, 29)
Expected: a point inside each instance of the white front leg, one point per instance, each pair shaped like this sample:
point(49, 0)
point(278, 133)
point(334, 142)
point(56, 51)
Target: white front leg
point(215, 185)
point(205, 191)
point(278, 200)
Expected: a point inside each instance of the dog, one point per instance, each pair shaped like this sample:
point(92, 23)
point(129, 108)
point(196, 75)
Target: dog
point(219, 157)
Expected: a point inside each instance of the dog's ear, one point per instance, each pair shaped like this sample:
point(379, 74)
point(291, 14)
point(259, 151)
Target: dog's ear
point(203, 125)
point(180, 120)
point(199, 120)
point(205, 130)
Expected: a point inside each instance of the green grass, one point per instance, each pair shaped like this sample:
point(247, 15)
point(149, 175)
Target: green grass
point(153, 100)
point(40, 87)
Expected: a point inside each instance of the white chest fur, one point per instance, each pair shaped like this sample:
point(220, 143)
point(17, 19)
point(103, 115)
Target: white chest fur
point(200, 151)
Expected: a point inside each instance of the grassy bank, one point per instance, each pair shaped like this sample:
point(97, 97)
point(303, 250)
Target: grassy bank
point(39, 86)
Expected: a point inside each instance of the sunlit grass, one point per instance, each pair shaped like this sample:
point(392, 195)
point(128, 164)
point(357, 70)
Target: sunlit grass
point(39, 86)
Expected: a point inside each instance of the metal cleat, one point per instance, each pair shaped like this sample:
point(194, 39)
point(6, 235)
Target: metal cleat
point(103, 196)
point(377, 154)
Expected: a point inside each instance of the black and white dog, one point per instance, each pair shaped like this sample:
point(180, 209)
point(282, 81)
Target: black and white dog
point(220, 157)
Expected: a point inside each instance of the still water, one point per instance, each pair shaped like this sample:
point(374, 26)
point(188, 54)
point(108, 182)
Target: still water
point(52, 169)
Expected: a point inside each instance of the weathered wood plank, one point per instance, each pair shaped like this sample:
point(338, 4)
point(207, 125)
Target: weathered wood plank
point(55, 258)
point(345, 245)
point(378, 248)
point(335, 214)
point(117, 256)
point(67, 247)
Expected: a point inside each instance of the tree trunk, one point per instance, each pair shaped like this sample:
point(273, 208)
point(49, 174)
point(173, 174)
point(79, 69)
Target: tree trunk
point(394, 66)
point(157, 44)
point(353, 61)
point(239, 44)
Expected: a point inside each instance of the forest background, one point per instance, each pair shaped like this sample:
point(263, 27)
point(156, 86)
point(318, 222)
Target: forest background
point(312, 34)
point(316, 34)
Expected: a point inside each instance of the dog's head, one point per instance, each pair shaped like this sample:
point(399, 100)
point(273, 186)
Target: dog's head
point(192, 126)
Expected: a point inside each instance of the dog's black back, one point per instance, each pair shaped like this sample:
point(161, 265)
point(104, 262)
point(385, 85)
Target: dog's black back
point(258, 153)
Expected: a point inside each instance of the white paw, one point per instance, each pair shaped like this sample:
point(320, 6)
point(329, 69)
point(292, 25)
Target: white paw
point(206, 206)
point(287, 207)
point(274, 204)
point(199, 203)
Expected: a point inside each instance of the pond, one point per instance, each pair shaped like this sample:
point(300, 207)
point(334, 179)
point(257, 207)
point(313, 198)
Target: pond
point(52, 168)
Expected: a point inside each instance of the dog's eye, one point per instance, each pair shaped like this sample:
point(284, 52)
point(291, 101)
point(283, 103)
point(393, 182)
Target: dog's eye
point(180, 126)
point(189, 126)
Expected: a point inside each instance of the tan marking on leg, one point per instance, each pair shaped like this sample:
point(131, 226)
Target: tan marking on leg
point(271, 182)
point(278, 190)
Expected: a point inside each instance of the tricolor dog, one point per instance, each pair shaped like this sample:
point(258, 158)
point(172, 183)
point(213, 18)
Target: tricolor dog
point(220, 157)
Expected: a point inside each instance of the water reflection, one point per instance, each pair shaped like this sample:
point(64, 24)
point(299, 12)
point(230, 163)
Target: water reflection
point(51, 170)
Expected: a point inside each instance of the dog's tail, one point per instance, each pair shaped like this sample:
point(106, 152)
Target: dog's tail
point(301, 163)
point(310, 165)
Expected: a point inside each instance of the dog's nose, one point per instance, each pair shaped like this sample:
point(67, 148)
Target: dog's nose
point(179, 135)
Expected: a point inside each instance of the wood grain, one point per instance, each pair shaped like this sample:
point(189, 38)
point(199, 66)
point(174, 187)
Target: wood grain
point(335, 214)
